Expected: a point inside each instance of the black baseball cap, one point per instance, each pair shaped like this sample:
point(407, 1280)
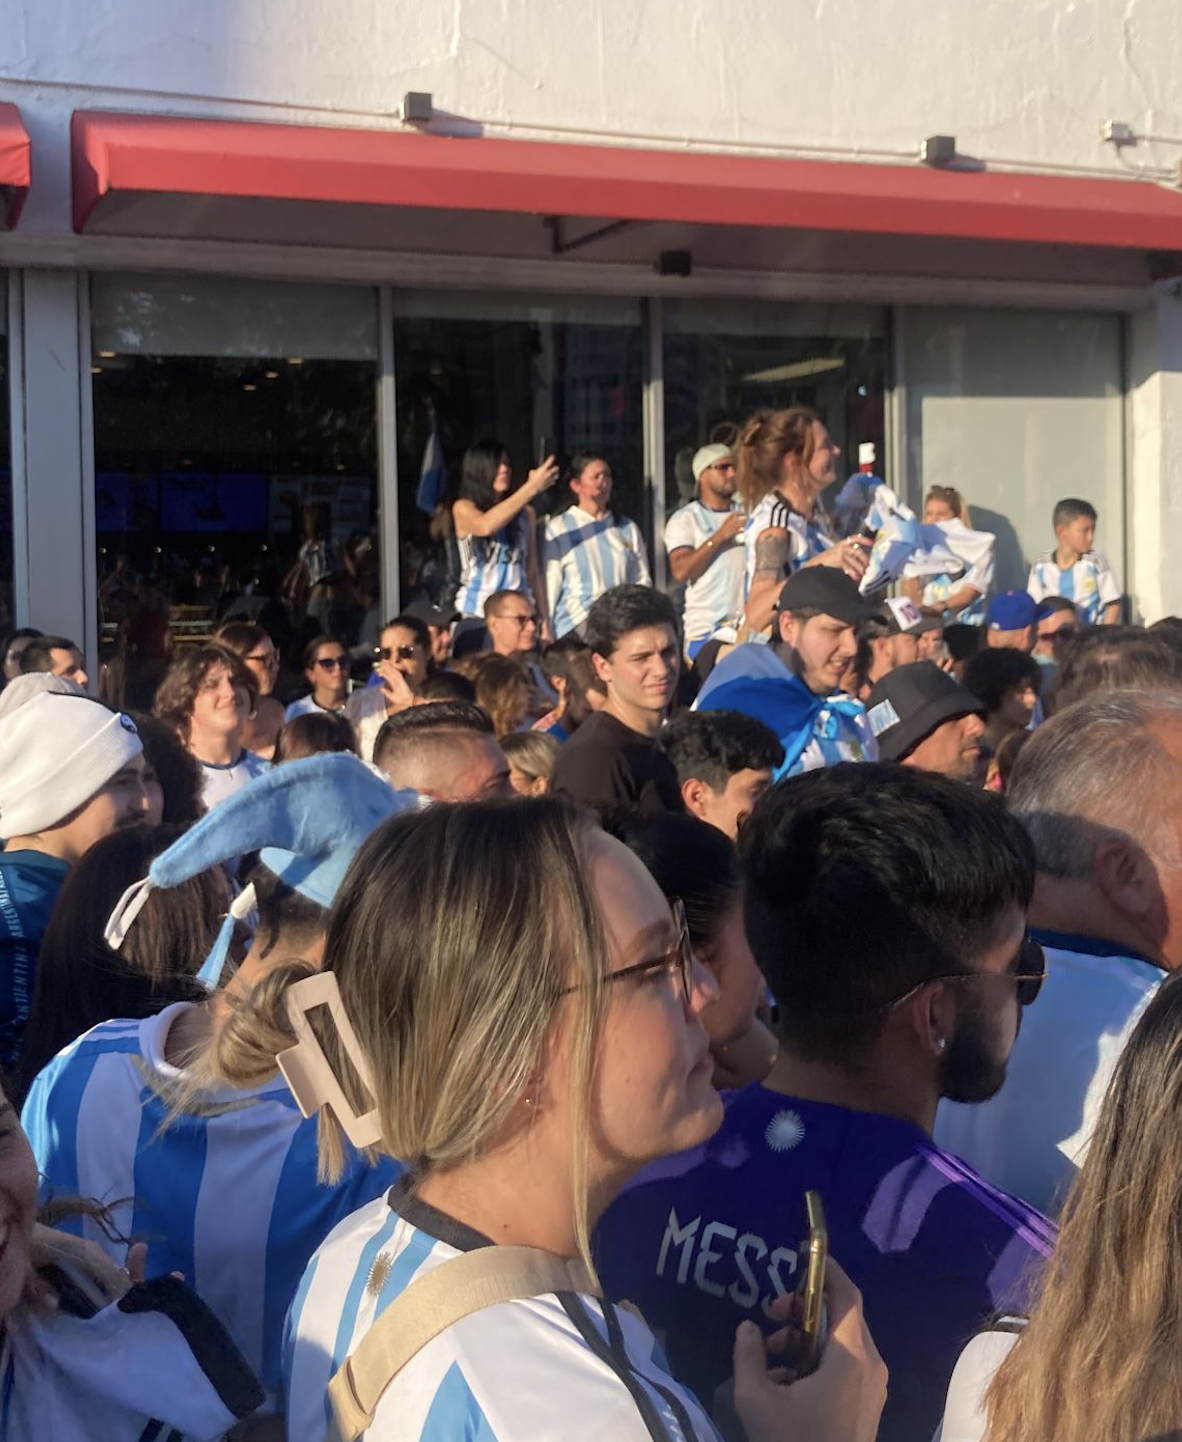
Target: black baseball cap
point(910, 702)
point(828, 590)
point(431, 615)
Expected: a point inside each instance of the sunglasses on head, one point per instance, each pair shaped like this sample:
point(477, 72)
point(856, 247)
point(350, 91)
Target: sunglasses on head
point(387, 653)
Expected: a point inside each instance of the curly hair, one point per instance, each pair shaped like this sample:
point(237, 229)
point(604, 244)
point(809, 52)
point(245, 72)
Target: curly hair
point(177, 693)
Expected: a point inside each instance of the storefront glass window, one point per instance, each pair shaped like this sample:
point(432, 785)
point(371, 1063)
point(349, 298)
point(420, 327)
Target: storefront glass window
point(725, 360)
point(522, 371)
point(234, 422)
point(1018, 410)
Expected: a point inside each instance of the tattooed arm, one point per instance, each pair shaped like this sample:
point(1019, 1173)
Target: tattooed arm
point(771, 569)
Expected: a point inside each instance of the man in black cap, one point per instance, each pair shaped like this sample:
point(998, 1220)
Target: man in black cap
point(922, 717)
point(793, 683)
point(438, 623)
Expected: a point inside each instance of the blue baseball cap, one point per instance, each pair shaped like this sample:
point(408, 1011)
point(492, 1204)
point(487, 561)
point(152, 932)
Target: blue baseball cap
point(1012, 612)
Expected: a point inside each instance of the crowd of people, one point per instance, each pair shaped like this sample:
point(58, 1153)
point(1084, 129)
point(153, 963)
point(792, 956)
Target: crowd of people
point(446, 1050)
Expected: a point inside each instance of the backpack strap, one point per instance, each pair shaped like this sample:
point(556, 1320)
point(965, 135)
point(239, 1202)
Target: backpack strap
point(432, 1303)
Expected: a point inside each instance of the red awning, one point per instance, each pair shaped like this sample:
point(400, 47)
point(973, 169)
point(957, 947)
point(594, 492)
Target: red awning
point(119, 159)
point(16, 165)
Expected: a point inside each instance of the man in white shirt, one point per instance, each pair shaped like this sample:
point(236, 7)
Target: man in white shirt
point(705, 544)
point(1096, 788)
point(587, 550)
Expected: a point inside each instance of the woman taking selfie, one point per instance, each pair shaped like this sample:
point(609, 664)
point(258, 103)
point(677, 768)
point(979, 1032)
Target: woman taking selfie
point(495, 528)
point(527, 1045)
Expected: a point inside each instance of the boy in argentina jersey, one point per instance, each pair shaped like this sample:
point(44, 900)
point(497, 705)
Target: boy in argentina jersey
point(793, 684)
point(886, 908)
point(1073, 570)
point(220, 1180)
point(600, 1360)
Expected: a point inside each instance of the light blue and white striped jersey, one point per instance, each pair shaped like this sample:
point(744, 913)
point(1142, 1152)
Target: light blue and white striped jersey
point(229, 1197)
point(806, 538)
point(584, 557)
point(1090, 584)
point(489, 564)
point(551, 1366)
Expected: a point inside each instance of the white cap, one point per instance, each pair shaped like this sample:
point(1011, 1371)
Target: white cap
point(866, 453)
point(709, 456)
point(56, 752)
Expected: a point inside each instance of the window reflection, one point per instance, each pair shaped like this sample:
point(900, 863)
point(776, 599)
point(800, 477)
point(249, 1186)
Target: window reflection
point(723, 363)
point(523, 372)
point(229, 485)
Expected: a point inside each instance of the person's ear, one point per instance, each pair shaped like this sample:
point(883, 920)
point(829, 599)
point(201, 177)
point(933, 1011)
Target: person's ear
point(930, 1015)
point(603, 667)
point(694, 793)
point(789, 628)
point(1126, 877)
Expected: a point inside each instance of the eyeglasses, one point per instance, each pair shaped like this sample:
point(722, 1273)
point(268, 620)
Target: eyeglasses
point(404, 653)
point(332, 663)
point(522, 620)
point(681, 957)
point(1029, 975)
point(263, 659)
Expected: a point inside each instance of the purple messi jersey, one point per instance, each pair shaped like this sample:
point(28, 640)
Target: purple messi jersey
point(702, 1240)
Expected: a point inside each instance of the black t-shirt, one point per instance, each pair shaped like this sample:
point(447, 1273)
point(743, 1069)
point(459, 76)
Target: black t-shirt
point(606, 763)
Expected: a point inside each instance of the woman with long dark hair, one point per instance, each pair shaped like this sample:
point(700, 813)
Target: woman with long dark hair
point(495, 528)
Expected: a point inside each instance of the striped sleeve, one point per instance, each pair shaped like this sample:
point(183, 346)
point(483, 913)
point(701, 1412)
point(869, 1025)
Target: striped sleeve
point(1036, 584)
point(1106, 583)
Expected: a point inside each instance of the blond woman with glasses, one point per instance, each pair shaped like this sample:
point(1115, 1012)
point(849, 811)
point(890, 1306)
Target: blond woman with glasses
point(527, 1038)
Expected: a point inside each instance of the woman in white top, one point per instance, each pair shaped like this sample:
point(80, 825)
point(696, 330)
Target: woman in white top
point(207, 695)
point(961, 599)
point(785, 459)
point(495, 528)
point(1101, 1356)
point(532, 1039)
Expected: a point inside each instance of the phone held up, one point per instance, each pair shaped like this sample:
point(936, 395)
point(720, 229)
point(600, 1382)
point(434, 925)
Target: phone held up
point(812, 1257)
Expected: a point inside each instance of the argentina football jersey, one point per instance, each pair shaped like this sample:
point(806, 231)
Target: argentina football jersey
point(226, 1195)
point(557, 1365)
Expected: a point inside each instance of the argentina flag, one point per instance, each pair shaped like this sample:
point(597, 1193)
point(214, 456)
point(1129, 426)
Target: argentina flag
point(432, 475)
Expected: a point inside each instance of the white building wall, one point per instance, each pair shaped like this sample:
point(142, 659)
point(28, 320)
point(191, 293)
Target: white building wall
point(1018, 82)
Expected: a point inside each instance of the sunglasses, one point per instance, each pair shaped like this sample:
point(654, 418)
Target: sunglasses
point(528, 620)
point(332, 663)
point(404, 653)
point(1064, 633)
point(1029, 975)
point(679, 959)
point(261, 660)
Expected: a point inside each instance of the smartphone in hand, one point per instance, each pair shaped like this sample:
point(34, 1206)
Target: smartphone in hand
point(812, 1258)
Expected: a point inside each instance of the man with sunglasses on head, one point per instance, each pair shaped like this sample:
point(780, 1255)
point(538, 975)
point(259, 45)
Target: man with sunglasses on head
point(1097, 790)
point(326, 668)
point(705, 544)
point(886, 908)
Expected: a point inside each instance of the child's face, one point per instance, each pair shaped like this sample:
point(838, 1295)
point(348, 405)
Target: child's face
point(1077, 535)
